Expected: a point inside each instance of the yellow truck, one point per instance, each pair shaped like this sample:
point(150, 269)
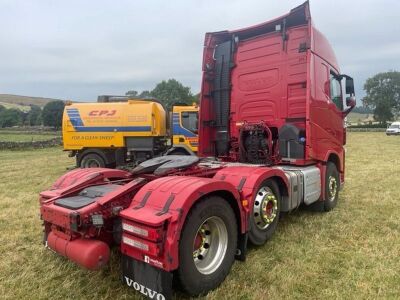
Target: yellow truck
point(127, 131)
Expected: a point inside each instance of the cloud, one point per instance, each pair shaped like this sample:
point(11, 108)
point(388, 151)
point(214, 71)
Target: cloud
point(80, 49)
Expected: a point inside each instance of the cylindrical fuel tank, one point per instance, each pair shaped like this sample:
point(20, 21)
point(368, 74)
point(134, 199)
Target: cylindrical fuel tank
point(90, 254)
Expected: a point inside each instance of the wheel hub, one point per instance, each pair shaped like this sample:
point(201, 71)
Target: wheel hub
point(209, 245)
point(265, 208)
point(332, 188)
point(92, 163)
point(201, 242)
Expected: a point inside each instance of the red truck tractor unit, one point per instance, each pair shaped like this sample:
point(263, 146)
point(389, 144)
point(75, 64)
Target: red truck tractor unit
point(271, 137)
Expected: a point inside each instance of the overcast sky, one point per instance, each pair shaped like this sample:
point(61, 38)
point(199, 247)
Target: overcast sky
point(80, 49)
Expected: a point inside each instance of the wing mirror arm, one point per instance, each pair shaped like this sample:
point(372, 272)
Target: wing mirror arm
point(350, 103)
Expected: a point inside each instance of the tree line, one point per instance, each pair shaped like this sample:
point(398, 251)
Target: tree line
point(382, 99)
point(50, 115)
point(383, 96)
point(169, 91)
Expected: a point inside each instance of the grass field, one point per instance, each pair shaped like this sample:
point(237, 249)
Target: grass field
point(26, 137)
point(349, 253)
point(354, 117)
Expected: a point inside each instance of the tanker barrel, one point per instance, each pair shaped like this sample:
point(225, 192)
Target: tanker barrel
point(116, 98)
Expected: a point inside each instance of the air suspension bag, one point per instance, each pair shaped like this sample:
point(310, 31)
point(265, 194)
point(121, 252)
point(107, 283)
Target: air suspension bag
point(90, 254)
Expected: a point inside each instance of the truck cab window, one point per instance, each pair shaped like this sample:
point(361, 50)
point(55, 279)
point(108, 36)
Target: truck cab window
point(336, 92)
point(190, 121)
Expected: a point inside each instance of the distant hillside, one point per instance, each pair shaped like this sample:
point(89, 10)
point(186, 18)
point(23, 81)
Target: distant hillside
point(23, 102)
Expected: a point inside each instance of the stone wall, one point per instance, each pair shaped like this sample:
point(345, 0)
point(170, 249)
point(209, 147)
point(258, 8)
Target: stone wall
point(31, 145)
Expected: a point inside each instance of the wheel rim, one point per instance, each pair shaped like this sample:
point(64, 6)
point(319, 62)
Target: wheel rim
point(265, 208)
point(209, 245)
point(92, 163)
point(332, 188)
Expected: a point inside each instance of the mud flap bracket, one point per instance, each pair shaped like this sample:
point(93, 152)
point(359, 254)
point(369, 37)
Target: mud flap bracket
point(242, 247)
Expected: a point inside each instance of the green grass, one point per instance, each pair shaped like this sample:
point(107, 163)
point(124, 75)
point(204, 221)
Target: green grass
point(349, 253)
point(25, 137)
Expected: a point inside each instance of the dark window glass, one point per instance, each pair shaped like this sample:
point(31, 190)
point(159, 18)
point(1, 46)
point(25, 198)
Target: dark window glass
point(190, 121)
point(336, 92)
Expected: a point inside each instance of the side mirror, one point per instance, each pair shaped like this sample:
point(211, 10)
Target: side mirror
point(351, 101)
point(349, 84)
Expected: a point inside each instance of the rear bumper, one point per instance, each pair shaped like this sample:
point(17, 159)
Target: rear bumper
point(57, 215)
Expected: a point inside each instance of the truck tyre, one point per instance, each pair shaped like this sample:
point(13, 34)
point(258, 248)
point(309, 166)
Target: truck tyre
point(332, 186)
point(207, 246)
point(265, 213)
point(92, 160)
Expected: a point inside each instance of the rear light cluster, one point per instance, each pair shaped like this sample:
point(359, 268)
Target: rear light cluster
point(146, 246)
point(141, 237)
point(148, 233)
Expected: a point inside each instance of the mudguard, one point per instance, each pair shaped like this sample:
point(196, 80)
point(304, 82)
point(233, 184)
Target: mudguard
point(80, 178)
point(246, 179)
point(165, 203)
point(170, 199)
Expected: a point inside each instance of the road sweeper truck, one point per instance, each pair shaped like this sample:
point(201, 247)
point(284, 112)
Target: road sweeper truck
point(117, 131)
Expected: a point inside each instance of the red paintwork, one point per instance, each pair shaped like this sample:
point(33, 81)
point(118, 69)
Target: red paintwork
point(90, 254)
point(273, 83)
point(78, 179)
point(59, 221)
point(240, 182)
point(186, 191)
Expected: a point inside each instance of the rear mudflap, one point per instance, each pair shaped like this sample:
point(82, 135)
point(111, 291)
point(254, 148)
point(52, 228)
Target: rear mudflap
point(150, 281)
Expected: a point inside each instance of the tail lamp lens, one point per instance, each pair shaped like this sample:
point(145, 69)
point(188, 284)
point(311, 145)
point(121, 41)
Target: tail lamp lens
point(135, 229)
point(153, 234)
point(135, 243)
point(145, 246)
